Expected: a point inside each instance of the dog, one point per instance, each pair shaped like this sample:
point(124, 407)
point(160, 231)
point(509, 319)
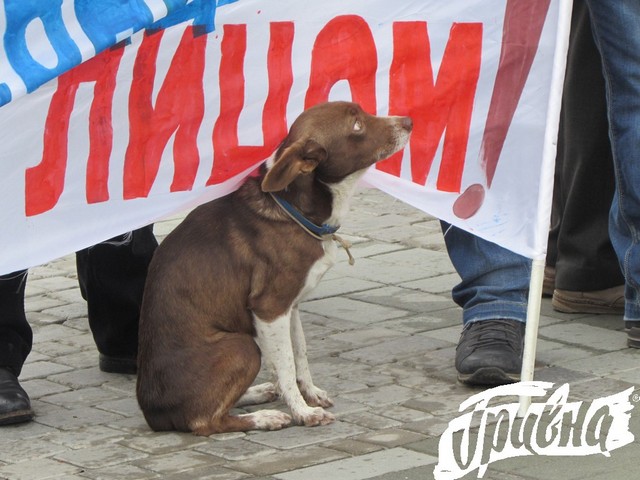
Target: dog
point(223, 288)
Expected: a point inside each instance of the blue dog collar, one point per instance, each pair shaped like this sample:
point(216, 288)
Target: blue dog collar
point(295, 214)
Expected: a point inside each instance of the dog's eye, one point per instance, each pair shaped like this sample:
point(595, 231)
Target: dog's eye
point(357, 126)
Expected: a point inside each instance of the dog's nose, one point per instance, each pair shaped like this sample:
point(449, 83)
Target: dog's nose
point(407, 123)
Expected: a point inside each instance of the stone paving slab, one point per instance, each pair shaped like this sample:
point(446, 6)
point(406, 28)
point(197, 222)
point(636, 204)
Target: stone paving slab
point(381, 336)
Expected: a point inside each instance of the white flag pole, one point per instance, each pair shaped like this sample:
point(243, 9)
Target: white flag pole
point(545, 196)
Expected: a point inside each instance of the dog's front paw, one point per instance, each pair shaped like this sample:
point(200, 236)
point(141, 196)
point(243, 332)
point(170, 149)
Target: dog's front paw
point(312, 417)
point(270, 420)
point(316, 397)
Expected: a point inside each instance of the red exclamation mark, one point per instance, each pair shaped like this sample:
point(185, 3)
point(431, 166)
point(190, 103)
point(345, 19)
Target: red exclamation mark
point(523, 23)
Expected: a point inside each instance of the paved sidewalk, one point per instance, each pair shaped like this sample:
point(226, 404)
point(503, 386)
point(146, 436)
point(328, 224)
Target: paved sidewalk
point(381, 337)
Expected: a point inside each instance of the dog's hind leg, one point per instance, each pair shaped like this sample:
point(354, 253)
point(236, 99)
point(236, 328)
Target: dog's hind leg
point(260, 420)
point(230, 365)
point(257, 394)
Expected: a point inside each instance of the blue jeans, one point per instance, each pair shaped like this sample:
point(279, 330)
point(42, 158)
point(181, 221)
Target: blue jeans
point(616, 29)
point(495, 281)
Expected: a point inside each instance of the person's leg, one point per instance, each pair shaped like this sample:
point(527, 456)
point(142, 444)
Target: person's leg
point(112, 276)
point(616, 27)
point(587, 277)
point(16, 339)
point(493, 294)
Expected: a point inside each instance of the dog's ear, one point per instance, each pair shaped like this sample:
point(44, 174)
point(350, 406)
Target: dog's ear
point(299, 158)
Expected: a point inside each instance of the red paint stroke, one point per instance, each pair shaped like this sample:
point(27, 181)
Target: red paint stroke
point(178, 110)
point(441, 107)
point(468, 204)
point(44, 183)
point(520, 39)
point(523, 23)
point(230, 158)
point(344, 50)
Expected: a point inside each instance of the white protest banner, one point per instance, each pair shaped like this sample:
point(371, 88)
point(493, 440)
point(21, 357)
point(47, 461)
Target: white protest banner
point(116, 114)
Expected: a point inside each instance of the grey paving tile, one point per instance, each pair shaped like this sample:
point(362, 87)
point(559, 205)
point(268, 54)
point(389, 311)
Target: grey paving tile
point(391, 437)
point(353, 447)
point(210, 473)
point(403, 298)
point(40, 303)
point(366, 336)
point(122, 406)
point(598, 467)
point(424, 322)
point(80, 396)
point(85, 436)
point(16, 452)
point(40, 469)
point(370, 420)
point(294, 437)
point(383, 272)
point(384, 395)
point(352, 310)
point(284, 461)
point(119, 472)
point(175, 462)
point(98, 456)
point(363, 467)
point(70, 419)
point(40, 387)
point(42, 369)
point(236, 449)
point(53, 332)
point(166, 442)
point(395, 350)
point(606, 364)
point(585, 335)
point(330, 287)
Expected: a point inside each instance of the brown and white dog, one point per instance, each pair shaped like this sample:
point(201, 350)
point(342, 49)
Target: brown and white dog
point(224, 286)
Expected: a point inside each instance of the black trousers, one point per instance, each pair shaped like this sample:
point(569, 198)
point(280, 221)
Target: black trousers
point(111, 277)
point(579, 245)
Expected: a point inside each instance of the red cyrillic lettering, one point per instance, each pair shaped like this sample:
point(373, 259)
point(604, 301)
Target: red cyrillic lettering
point(230, 158)
point(344, 50)
point(441, 107)
point(179, 109)
point(45, 181)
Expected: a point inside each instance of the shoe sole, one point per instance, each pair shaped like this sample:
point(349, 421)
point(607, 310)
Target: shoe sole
point(117, 365)
point(488, 376)
point(633, 341)
point(571, 306)
point(19, 416)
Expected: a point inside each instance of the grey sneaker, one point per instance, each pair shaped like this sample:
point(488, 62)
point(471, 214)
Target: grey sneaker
point(490, 352)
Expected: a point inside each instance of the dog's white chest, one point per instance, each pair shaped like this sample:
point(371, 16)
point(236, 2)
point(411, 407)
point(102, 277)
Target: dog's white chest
point(322, 265)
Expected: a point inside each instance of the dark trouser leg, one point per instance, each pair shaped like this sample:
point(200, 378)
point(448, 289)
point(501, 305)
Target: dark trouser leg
point(112, 276)
point(579, 244)
point(15, 344)
point(16, 337)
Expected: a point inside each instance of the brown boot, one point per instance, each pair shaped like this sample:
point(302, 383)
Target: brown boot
point(610, 300)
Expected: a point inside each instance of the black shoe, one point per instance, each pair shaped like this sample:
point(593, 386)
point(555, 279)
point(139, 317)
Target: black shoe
point(111, 364)
point(490, 352)
point(15, 406)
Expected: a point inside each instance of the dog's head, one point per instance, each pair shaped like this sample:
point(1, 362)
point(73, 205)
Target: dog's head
point(334, 140)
